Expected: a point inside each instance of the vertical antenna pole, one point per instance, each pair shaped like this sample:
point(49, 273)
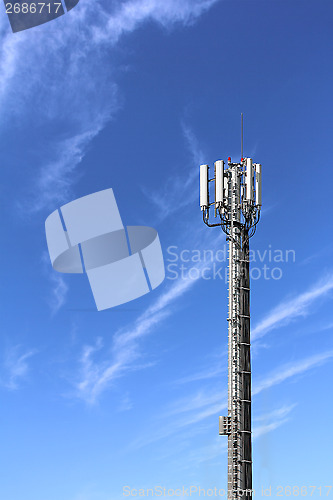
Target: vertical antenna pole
point(242, 135)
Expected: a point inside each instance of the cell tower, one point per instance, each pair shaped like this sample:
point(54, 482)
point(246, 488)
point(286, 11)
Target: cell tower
point(237, 206)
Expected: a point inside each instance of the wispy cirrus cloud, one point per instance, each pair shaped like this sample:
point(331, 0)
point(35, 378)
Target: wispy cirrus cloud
point(278, 413)
point(322, 252)
point(198, 400)
point(212, 371)
point(70, 81)
point(98, 371)
point(59, 84)
point(59, 288)
point(59, 292)
point(198, 156)
point(290, 370)
point(96, 375)
point(125, 404)
point(180, 190)
point(282, 314)
point(185, 412)
point(265, 428)
point(295, 307)
point(203, 403)
point(268, 422)
point(55, 180)
point(132, 14)
point(15, 366)
point(218, 445)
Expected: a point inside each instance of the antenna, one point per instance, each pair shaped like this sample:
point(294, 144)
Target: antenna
point(242, 135)
point(237, 211)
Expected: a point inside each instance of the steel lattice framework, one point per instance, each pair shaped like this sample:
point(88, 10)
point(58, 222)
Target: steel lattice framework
point(237, 205)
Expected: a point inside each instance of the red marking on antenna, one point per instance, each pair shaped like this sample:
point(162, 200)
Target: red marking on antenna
point(229, 159)
point(242, 159)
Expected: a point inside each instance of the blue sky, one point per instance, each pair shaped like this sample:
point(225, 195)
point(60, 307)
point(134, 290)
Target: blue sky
point(134, 95)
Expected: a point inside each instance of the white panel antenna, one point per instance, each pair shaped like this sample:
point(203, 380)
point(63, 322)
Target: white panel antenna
point(249, 180)
point(258, 183)
point(204, 197)
point(226, 188)
point(219, 182)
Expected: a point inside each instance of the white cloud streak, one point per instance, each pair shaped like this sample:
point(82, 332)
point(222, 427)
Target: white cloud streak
point(56, 177)
point(15, 367)
point(288, 371)
point(96, 375)
point(61, 74)
point(264, 429)
point(204, 403)
point(179, 190)
point(132, 14)
point(211, 372)
point(281, 315)
point(58, 293)
point(281, 412)
point(218, 446)
point(290, 309)
point(59, 288)
point(183, 413)
point(67, 74)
